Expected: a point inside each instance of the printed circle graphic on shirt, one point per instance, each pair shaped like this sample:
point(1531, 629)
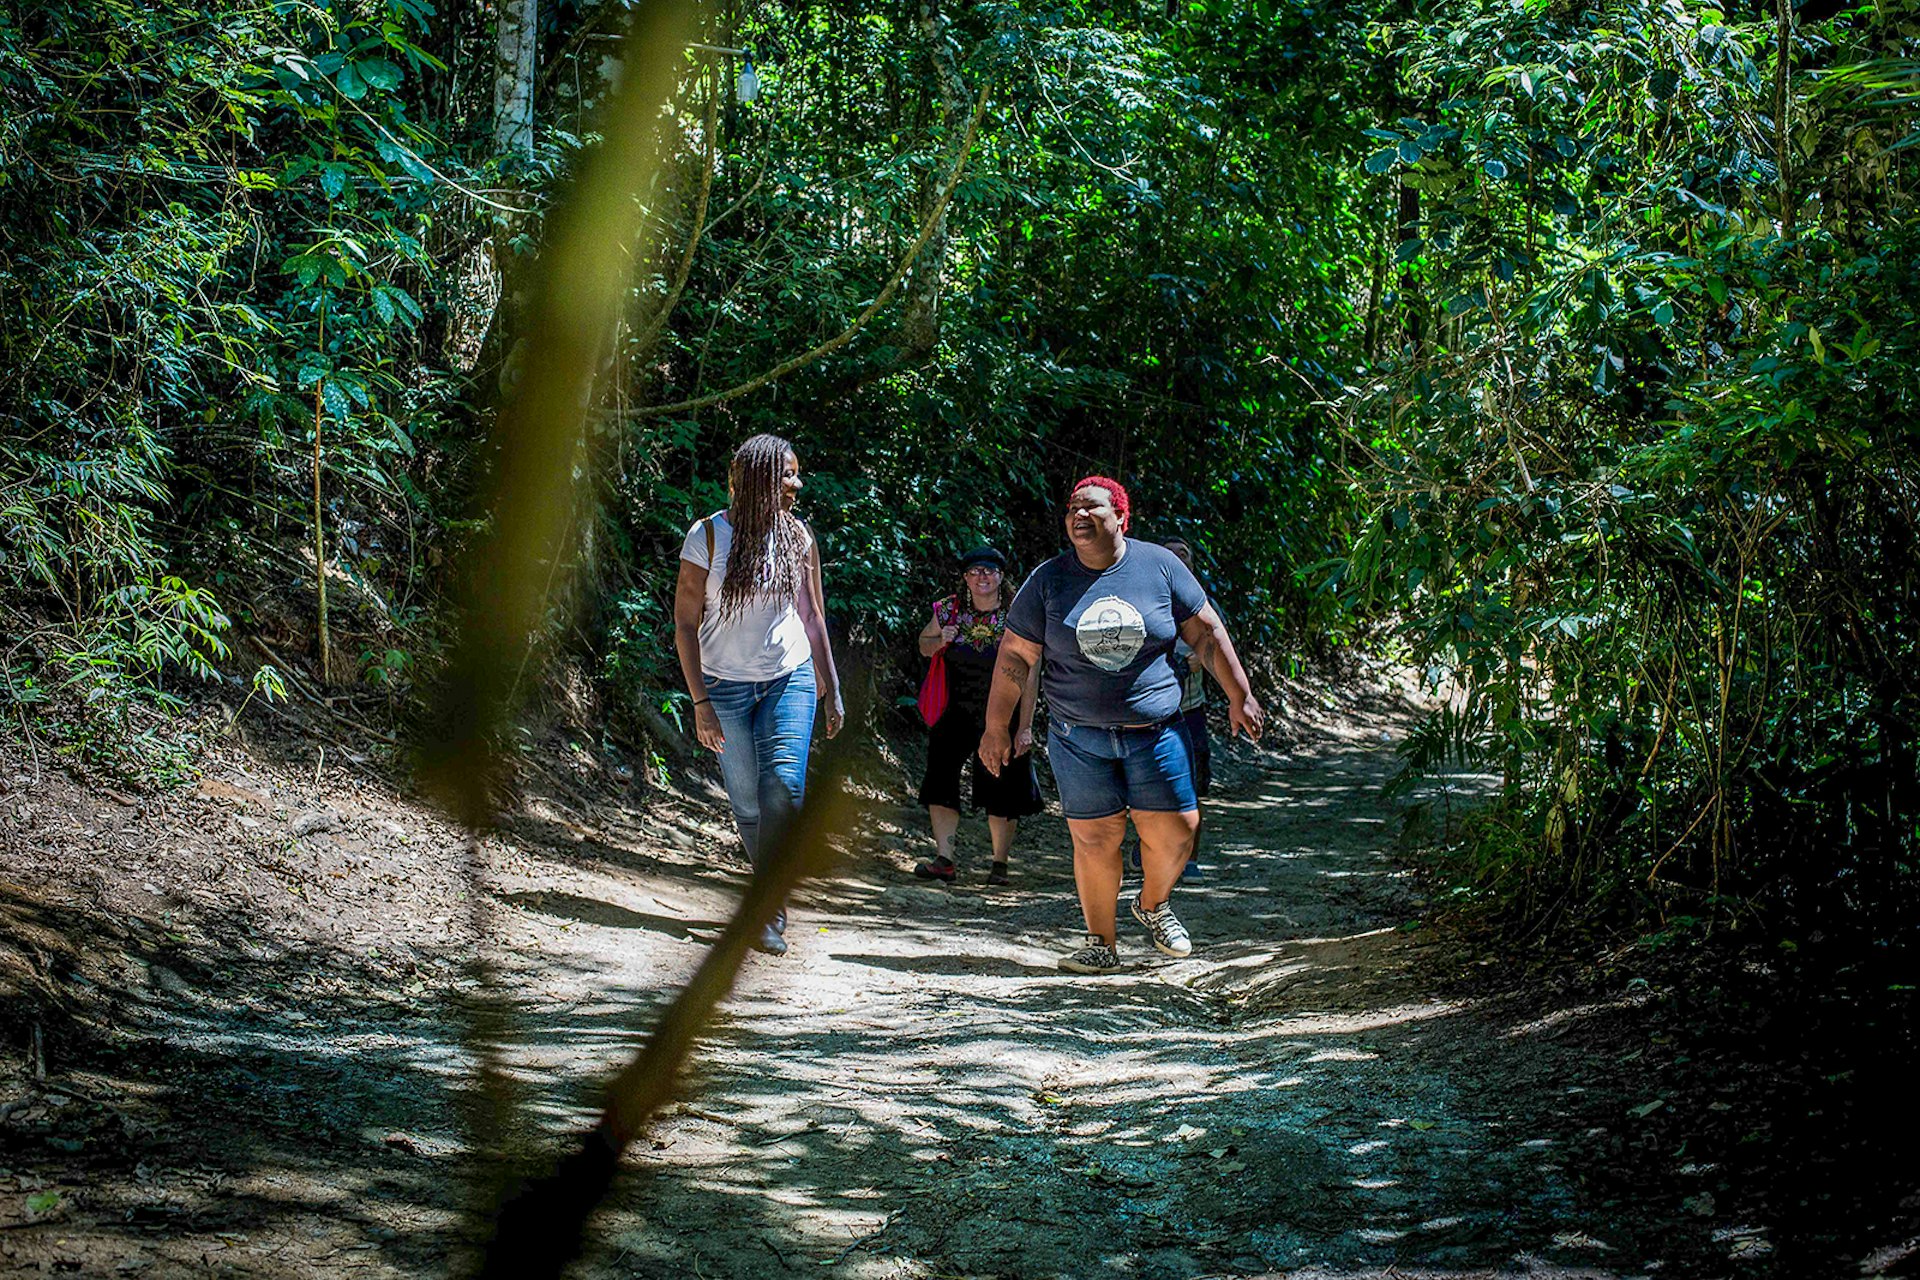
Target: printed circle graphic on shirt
point(1111, 633)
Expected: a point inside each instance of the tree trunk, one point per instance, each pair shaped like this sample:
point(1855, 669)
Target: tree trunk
point(491, 280)
point(920, 323)
point(516, 43)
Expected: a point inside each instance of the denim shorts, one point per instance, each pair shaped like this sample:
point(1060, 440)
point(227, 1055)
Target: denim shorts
point(1101, 772)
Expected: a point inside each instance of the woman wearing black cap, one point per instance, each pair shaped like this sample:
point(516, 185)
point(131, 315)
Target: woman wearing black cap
point(967, 627)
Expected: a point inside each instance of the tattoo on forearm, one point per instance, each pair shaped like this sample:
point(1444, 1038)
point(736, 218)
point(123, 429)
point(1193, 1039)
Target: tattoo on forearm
point(1014, 668)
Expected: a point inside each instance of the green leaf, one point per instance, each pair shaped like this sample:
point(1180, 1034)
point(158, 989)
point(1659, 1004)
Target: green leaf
point(401, 438)
point(378, 73)
point(1382, 160)
point(305, 267)
point(339, 406)
point(392, 302)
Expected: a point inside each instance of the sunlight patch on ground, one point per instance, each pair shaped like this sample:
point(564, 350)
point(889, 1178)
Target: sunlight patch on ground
point(1560, 1017)
point(1370, 1020)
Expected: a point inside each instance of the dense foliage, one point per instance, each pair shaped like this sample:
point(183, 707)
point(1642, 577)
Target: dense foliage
point(214, 233)
point(1647, 467)
point(1574, 343)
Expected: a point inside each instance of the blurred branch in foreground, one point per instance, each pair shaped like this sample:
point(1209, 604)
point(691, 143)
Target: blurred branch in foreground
point(582, 284)
point(538, 1228)
point(580, 287)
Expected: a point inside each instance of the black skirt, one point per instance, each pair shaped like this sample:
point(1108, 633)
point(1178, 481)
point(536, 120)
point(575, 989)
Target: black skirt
point(953, 747)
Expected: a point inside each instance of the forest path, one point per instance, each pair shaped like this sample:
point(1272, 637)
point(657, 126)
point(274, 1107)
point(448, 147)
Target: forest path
point(917, 1090)
point(254, 1059)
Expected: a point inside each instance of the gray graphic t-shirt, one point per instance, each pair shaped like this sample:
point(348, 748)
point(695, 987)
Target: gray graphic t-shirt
point(1108, 636)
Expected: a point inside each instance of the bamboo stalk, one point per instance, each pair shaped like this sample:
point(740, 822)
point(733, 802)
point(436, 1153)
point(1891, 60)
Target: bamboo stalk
point(1782, 105)
point(319, 512)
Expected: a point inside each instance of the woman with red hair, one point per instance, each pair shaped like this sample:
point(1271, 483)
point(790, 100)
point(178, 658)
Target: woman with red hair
point(1100, 620)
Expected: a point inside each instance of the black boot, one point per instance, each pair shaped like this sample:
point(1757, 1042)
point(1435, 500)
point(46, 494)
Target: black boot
point(771, 943)
point(773, 939)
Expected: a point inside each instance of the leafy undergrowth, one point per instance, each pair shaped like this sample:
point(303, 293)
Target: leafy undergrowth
point(1765, 1093)
point(1786, 1086)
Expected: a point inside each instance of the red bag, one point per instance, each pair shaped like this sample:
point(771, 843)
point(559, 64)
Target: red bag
point(933, 690)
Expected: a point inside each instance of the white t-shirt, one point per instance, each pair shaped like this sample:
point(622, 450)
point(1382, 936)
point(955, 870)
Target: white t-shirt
point(765, 640)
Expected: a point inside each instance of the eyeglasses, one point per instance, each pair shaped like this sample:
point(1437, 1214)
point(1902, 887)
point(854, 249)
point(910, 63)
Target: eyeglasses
point(980, 569)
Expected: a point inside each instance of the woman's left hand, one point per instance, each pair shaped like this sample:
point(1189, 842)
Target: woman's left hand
point(836, 715)
point(1023, 741)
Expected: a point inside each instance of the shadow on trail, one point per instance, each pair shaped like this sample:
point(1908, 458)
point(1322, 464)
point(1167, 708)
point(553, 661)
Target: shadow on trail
point(571, 906)
point(952, 966)
point(182, 1120)
point(1051, 1132)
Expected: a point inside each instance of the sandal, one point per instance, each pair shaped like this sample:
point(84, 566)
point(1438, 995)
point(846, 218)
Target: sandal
point(939, 869)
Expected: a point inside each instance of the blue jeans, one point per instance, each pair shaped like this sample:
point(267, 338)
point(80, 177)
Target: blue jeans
point(768, 725)
point(1101, 772)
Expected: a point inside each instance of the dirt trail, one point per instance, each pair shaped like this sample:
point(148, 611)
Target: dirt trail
point(916, 1082)
point(914, 1091)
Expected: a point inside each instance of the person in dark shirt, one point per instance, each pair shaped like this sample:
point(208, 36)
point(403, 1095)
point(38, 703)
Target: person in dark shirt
point(1193, 714)
point(1100, 622)
point(967, 627)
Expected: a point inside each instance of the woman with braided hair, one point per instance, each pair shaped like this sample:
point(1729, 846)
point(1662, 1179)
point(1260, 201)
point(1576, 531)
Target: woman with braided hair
point(749, 621)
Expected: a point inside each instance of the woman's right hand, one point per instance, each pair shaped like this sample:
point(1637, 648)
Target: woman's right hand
point(706, 727)
point(1247, 717)
point(996, 748)
point(948, 635)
